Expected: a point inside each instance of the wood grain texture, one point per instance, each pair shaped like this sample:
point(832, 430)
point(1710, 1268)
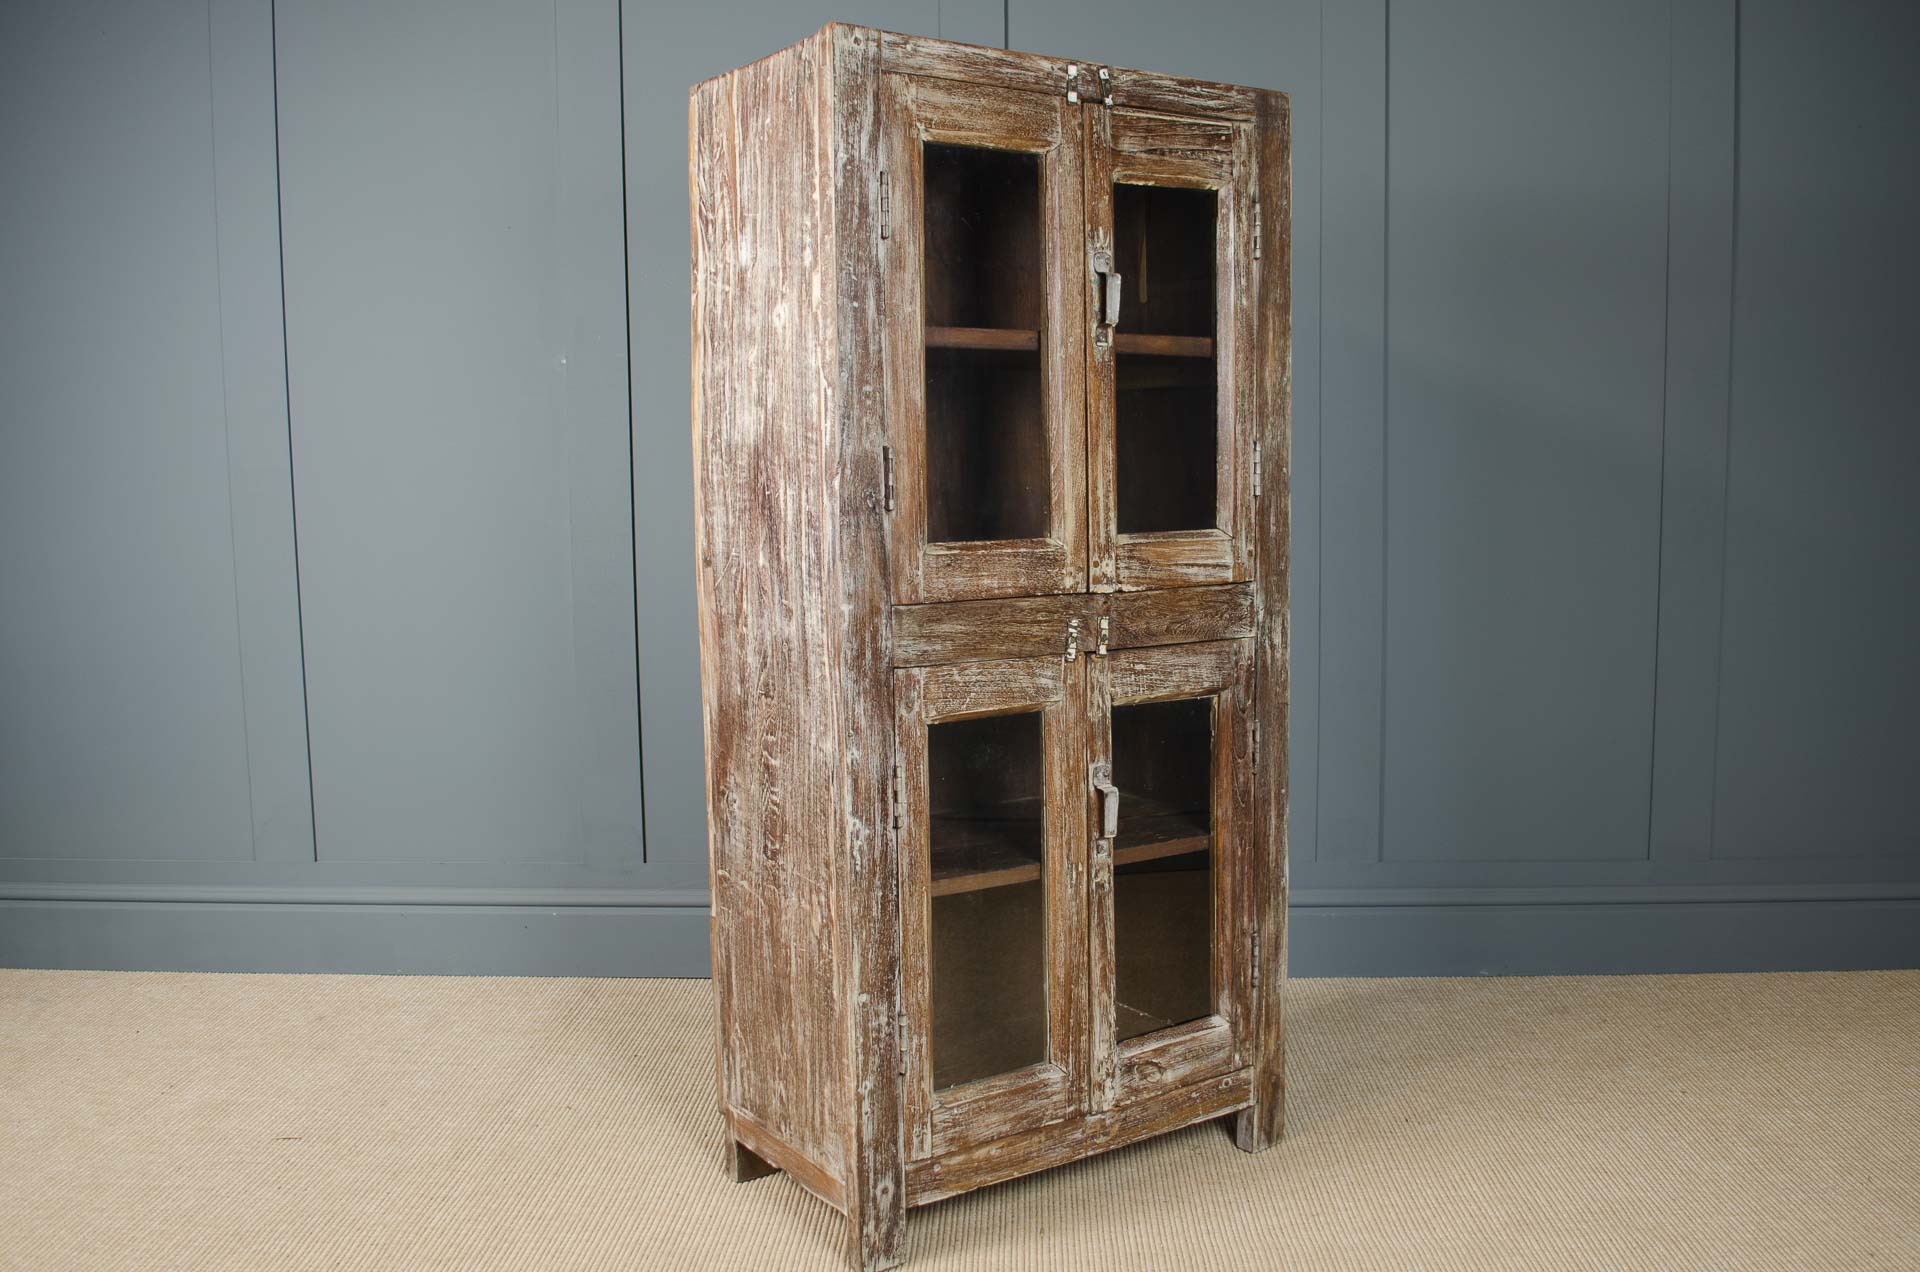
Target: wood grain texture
point(1036, 626)
point(1174, 558)
point(757, 1152)
point(1046, 1147)
point(1177, 95)
point(770, 624)
point(1173, 616)
point(1137, 1068)
point(1261, 1126)
point(1163, 346)
point(918, 110)
point(818, 679)
point(1139, 148)
point(1003, 68)
point(867, 953)
point(1018, 627)
point(981, 338)
point(941, 1121)
point(1138, 90)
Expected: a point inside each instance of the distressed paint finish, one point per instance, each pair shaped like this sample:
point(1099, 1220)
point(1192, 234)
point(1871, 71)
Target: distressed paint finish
point(833, 634)
point(978, 1112)
point(1260, 1126)
point(1133, 147)
point(772, 638)
point(867, 954)
point(925, 109)
point(1032, 626)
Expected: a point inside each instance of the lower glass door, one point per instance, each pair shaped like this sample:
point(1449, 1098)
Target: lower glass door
point(993, 850)
point(1171, 775)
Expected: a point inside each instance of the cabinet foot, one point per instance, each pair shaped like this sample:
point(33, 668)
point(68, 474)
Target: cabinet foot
point(1257, 1129)
point(745, 1163)
point(868, 1251)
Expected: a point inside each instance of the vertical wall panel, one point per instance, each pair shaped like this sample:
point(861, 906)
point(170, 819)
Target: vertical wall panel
point(1700, 175)
point(1526, 285)
point(1352, 474)
point(1820, 686)
point(456, 333)
point(131, 442)
point(259, 459)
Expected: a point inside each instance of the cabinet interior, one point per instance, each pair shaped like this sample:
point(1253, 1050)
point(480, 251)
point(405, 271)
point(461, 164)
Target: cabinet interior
point(1165, 381)
point(1163, 864)
point(987, 834)
point(986, 456)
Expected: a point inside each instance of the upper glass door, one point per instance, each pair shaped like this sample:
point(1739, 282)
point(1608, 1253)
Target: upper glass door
point(1170, 350)
point(984, 339)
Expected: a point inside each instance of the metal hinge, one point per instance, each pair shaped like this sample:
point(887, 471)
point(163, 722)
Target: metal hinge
point(886, 206)
point(1256, 229)
point(886, 477)
point(1256, 473)
point(1104, 95)
point(900, 1039)
point(1256, 958)
point(899, 796)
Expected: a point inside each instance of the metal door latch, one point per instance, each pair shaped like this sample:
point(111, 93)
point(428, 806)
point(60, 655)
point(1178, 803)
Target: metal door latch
point(1109, 288)
point(1073, 639)
point(1105, 630)
point(1109, 803)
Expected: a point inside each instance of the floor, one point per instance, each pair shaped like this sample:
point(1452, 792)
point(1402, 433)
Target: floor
point(200, 1121)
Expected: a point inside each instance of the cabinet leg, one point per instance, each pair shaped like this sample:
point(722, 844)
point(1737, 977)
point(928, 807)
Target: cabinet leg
point(1257, 1129)
point(745, 1163)
point(874, 1233)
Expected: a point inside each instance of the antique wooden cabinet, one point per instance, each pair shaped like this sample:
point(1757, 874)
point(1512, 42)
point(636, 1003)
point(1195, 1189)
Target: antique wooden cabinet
point(990, 372)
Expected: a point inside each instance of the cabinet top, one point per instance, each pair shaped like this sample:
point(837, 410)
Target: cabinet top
point(1089, 81)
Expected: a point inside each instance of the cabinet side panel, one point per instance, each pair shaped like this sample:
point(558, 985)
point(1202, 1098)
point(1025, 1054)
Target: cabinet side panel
point(765, 459)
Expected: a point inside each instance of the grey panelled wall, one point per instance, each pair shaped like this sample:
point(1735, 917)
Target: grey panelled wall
point(457, 368)
point(150, 712)
point(343, 418)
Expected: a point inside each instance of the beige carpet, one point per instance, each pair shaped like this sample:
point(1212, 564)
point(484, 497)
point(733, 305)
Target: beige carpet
point(388, 1122)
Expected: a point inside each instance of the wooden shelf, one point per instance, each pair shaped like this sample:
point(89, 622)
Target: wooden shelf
point(1003, 338)
point(1163, 346)
point(996, 851)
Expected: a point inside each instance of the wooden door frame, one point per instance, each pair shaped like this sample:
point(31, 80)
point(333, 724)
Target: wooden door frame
point(1054, 1090)
point(916, 110)
point(1137, 147)
point(1123, 1073)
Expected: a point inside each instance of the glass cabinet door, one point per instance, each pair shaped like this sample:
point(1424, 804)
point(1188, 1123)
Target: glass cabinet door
point(1170, 350)
point(993, 903)
point(983, 332)
point(1172, 809)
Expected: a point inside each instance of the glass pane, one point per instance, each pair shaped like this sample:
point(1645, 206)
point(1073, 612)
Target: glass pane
point(986, 431)
point(1163, 864)
point(989, 929)
point(1165, 412)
